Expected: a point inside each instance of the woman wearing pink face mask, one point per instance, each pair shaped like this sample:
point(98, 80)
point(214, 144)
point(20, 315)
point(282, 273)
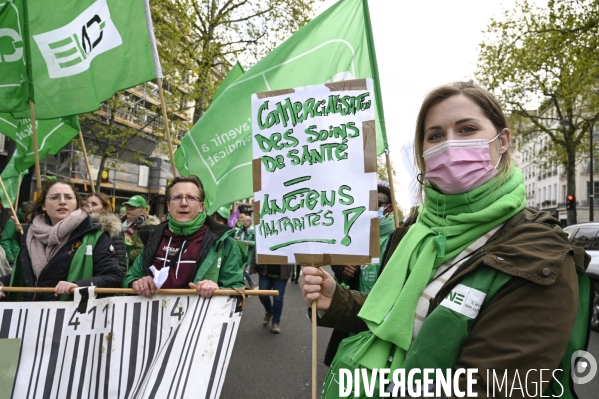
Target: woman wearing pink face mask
point(475, 279)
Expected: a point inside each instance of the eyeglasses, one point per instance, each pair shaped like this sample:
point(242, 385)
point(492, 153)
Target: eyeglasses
point(190, 200)
point(56, 197)
point(381, 203)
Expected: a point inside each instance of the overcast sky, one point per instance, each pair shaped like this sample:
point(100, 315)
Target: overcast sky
point(422, 44)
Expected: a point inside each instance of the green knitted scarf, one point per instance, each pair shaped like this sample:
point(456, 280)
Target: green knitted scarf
point(186, 228)
point(462, 218)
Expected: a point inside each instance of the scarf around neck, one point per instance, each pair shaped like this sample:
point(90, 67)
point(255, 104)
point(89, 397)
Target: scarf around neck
point(44, 240)
point(186, 228)
point(462, 218)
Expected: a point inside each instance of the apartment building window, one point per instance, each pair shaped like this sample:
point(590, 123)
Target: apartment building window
point(544, 194)
point(554, 198)
point(564, 193)
point(596, 184)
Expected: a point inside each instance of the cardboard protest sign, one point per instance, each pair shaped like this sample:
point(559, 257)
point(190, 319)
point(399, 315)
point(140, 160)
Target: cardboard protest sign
point(314, 175)
point(118, 347)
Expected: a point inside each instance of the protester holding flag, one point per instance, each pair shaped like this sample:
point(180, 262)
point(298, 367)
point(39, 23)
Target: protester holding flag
point(63, 249)
point(100, 205)
point(472, 243)
point(191, 250)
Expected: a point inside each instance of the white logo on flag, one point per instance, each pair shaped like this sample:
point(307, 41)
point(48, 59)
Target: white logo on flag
point(464, 300)
point(17, 44)
point(70, 50)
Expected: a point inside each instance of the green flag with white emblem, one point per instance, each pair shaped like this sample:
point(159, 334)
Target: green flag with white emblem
point(52, 136)
point(80, 52)
point(14, 91)
point(336, 45)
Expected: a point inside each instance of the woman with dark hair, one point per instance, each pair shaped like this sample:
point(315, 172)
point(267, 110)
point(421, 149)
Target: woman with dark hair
point(110, 223)
point(474, 280)
point(62, 248)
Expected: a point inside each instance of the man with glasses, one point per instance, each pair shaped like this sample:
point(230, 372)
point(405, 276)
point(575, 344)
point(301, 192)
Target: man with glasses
point(190, 250)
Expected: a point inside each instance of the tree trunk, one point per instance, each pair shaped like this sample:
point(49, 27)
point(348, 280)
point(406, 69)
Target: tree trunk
point(571, 184)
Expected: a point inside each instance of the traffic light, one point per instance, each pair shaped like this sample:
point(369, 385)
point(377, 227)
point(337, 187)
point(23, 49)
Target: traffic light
point(570, 202)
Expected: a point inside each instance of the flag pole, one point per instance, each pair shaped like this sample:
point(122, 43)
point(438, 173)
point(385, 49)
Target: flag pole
point(18, 190)
point(12, 209)
point(314, 349)
point(390, 177)
point(167, 291)
point(89, 170)
point(38, 173)
point(159, 76)
point(167, 129)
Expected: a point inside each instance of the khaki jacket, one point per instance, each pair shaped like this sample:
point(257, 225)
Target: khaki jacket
point(526, 325)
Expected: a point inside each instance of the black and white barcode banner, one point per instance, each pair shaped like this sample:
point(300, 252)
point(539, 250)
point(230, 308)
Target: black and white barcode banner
point(121, 347)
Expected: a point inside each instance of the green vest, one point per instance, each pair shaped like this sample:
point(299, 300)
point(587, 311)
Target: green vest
point(82, 265)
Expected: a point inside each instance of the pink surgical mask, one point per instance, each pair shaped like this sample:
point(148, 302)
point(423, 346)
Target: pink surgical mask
point(458, 166)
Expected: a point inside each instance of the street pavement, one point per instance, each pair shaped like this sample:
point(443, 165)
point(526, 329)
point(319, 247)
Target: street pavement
point(278, 366)
point(268, 366)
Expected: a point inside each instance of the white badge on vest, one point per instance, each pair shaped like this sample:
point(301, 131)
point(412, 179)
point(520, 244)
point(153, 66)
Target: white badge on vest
point(464, 300)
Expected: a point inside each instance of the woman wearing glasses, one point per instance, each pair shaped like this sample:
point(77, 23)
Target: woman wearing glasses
point(62, 248)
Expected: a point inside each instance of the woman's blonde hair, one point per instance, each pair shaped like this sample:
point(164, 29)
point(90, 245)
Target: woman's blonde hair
point(481, 97)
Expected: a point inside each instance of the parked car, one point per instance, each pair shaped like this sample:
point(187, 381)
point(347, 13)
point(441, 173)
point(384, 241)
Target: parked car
point(585, 235)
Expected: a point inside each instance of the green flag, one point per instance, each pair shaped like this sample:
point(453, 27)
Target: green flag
point(52, 136)
point(336, 45)
point(14, 95)
point(10, 178)
point(231, 77)
point(80, 52)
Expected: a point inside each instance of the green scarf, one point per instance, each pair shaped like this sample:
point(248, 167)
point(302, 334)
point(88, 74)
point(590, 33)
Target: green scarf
point(186, 228)
point(462, 219)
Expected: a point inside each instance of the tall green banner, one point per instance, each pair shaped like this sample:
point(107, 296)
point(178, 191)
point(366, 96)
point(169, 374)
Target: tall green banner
point(80, 52)
point(335, 46)
point(52, 136)
point(14, 90)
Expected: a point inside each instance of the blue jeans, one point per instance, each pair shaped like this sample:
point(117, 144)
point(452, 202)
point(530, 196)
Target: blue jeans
point(247, 276)
point(275, 306)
